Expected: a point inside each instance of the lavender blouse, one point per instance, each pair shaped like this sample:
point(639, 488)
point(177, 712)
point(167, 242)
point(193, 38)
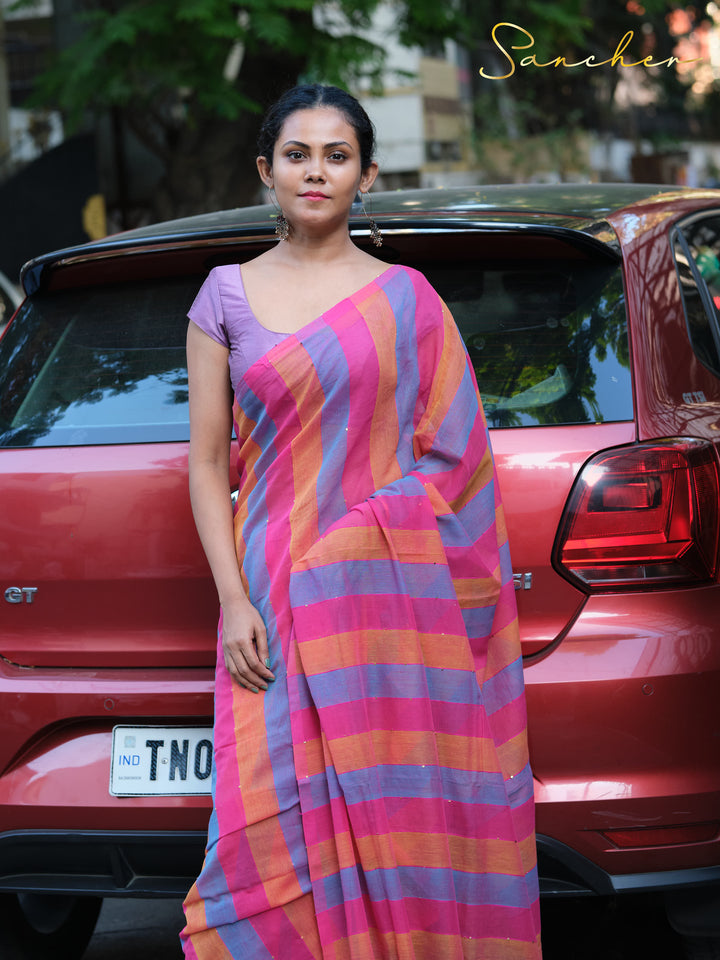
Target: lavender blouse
point(222, 311)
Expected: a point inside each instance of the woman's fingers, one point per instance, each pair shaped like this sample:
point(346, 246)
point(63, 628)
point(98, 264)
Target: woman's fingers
point(245, 648)
point(242, 670)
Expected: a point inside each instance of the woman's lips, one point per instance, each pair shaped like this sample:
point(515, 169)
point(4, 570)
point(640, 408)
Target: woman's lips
point(314, 196)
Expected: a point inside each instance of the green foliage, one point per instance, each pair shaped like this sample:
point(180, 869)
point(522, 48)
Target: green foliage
point(168, 56)
point(145, 53)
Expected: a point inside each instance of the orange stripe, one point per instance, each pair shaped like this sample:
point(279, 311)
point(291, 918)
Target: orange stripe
point(503, 650)
point(384, 427)
point(327, 857)
point(483, 474)
point(259, 799)
point(371, 543)
point(301, 913)
point(476, 592)
point(209, 945)
point(422, 943)
point(387, 851)
point(250, 452)
point(500, 525)
point(448, 376)
point(272, 861)
point(373, 944)
point(398, 747)
point(303, 384)
point(252, 756)
point(350, 649)
point(488, 947)
point(195, 917)
point(513, 754)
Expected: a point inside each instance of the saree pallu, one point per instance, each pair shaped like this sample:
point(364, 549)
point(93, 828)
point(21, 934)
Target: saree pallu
point(376, 803)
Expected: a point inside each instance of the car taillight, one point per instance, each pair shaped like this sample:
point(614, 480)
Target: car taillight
point(642, 515)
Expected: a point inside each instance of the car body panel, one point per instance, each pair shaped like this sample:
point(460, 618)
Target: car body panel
point(624, 728)
point(536, 470)
point(670, 381)
point(147, 598)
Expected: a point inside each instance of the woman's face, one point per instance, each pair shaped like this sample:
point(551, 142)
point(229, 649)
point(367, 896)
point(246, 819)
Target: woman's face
point(316, 169)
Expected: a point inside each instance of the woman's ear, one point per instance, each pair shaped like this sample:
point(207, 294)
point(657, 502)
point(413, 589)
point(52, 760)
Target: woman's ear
point(265, 171)
point(367, 177)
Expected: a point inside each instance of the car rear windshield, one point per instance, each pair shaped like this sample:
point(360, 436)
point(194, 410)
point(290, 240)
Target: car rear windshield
point(106, 364)
point(97, 365)
point(548, 339)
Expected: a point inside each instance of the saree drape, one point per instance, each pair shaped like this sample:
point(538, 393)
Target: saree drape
point(376, 803)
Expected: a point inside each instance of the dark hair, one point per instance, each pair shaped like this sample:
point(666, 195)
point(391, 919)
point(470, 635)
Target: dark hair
point(309, 95)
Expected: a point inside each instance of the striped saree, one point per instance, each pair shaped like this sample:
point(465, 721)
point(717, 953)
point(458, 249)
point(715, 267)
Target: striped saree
point(376, 802)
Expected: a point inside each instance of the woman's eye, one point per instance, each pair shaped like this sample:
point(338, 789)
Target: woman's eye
point(338, 156)
point(295, 154)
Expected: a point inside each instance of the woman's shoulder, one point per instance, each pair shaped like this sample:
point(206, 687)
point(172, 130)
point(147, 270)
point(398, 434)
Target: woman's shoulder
point(415, 275)
point(420, 283)
point(225, 274)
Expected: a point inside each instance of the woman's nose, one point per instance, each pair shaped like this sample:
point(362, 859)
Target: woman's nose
point(314, 170)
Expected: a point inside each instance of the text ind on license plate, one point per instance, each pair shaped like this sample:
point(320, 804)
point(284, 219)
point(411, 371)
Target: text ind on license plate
point(161, 761)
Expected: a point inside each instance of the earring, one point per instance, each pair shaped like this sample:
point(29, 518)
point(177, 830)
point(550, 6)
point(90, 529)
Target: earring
point(375, 234)
point(282, 227)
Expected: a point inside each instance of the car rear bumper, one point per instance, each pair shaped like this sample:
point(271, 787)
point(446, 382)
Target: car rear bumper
point(165, 864)
point(566, 873)
point(97, 863)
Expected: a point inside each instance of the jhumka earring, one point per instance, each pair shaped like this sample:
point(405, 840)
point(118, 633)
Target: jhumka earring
point(282, 227)
point(375, 234)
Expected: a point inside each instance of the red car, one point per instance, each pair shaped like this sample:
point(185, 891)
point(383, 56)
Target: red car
point(591, 314)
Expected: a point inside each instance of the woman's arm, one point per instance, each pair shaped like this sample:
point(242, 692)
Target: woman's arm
point(244, 637)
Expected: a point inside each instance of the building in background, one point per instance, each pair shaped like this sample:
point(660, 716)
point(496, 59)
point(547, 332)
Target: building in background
point(50, 195)
point(423, 117)
point(29, 39)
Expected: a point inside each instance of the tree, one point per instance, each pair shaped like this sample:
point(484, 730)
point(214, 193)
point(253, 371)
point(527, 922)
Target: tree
point(190, 77)
point(542, 100)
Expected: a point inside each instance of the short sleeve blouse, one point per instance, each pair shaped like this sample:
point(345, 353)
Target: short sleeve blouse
point(222, 311)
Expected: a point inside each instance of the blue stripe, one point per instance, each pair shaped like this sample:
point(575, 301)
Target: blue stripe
point(478, 514)
point(504, 687)
point(478, 621)
point(394, 681)
point(333, 374)
point(453, 434)
point(401, 296)
point(407, 782)
point(348, 578)
point(422, 883)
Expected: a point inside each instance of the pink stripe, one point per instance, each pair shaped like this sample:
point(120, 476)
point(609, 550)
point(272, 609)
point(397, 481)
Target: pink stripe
point(426, 816)
point(357, 472)
point(388, 714)
point(431, 616)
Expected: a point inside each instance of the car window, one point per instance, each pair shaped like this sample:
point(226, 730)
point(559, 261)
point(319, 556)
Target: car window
point(548, 339)
point(697, 258)
point(97, 365)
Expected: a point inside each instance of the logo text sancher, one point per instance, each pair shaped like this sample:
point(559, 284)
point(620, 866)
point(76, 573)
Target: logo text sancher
point(616, 60)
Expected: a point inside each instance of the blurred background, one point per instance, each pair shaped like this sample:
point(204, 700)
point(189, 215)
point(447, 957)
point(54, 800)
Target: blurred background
point(117, 113)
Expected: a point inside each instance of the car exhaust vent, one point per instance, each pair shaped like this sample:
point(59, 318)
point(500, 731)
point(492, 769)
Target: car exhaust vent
point(642, 515)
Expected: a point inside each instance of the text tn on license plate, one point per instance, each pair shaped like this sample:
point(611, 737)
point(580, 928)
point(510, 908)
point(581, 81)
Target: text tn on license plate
point(161, 761)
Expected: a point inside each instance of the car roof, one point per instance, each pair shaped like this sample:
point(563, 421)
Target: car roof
point(576, 207)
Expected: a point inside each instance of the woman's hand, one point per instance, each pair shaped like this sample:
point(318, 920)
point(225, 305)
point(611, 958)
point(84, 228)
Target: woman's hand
point(245, 646)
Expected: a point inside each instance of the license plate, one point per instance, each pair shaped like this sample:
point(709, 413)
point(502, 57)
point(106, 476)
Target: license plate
point(161, 761)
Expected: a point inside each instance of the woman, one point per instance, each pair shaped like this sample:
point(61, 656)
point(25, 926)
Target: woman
point(372, 795)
